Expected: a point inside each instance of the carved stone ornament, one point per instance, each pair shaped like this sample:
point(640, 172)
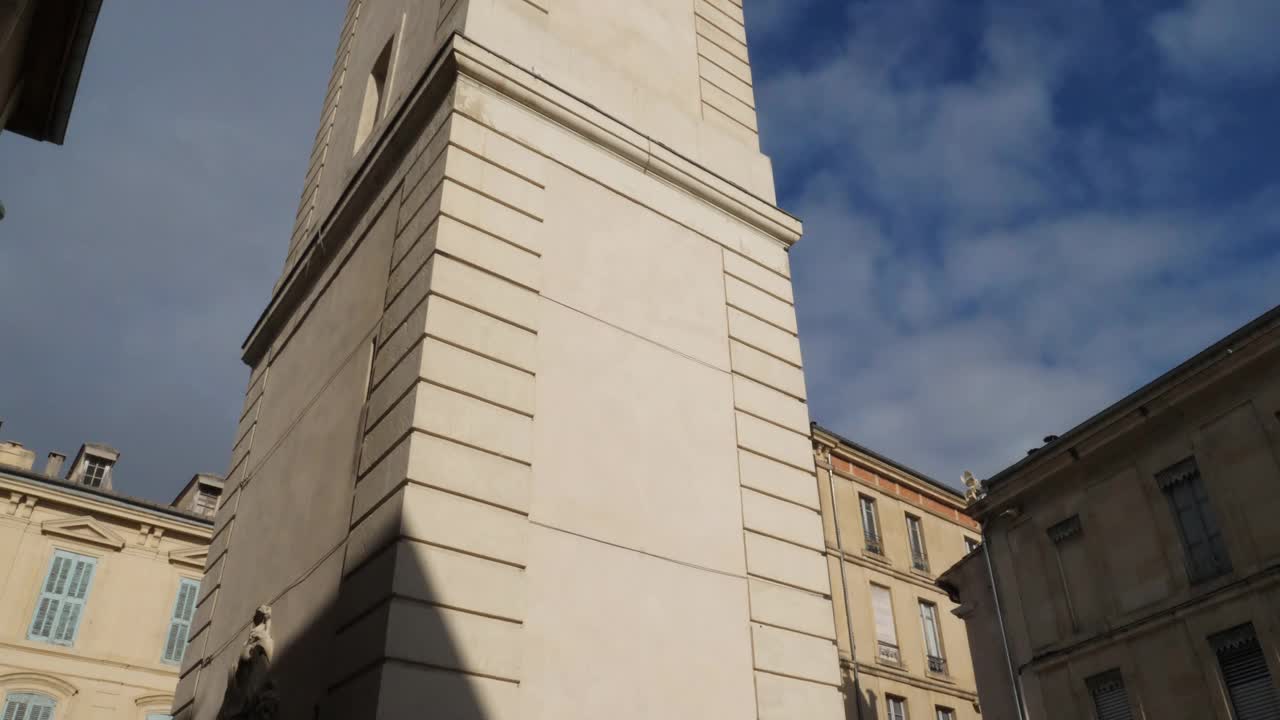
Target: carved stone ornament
point(251, 694)
point(971, 492)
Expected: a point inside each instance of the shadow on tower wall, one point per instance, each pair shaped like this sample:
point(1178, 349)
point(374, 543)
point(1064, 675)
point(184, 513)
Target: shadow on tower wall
point(348, 661)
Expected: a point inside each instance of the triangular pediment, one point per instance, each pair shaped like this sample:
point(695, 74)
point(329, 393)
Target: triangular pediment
point(195, 557)
point(84, 529)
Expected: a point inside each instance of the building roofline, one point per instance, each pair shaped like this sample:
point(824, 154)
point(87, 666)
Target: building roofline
point(107, 496)
point(905, 469)
point(221, 482)
point(1210, 356)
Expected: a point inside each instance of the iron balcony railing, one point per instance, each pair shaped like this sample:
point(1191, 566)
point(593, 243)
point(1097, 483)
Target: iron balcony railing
point(919, 561)
point(873, 543)
point(937, 665)
point(889, 653)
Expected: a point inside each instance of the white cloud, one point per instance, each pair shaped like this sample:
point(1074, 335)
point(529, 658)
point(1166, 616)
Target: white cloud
point(1221, 40)
point(976, 275)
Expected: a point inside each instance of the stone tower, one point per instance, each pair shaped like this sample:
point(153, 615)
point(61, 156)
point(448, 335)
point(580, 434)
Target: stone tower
point(525, 432)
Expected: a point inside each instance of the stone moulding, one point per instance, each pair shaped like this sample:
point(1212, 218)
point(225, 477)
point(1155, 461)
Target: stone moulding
point(85, 529)
point(463, 57)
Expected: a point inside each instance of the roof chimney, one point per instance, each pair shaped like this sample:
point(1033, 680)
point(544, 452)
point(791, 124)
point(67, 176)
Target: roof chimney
point(54, 465)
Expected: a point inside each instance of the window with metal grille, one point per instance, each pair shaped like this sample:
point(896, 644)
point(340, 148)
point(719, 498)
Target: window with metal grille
point(932, 638)
point(897, 707)
point(184, 609)
point(1205, 548)
point(886, 633)
point(870, 525)
point(95, 472)
point(946, 714)
point(28, 706)
point(1245, 674)
point(915, 538)
point(1110, 701)
point(62, 598)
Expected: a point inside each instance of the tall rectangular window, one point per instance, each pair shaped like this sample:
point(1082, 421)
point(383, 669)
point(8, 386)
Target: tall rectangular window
point(62, 598)
point(28, 706)
point(897, 707)
point(1245, 674)
point(915, 538)
point(184, 609)
point(375, 90)
point(1110, 701)
point(946, 714)
point(870, 525)
point(1206, 551)
point(932, 638)
point(886, 633)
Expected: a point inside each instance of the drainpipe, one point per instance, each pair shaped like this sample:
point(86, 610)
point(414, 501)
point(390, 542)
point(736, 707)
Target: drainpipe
point(1014, 678)
point(844, 588)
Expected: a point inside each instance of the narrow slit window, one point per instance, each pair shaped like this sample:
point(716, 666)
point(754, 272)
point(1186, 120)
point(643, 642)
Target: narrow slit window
point(375, 91)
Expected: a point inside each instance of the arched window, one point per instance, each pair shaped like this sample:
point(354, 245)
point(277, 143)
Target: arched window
point(28, 706)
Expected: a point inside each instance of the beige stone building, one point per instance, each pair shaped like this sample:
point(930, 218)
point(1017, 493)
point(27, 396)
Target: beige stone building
point(1136, 558)
point(97, 591)
point(524, 433)
point(895, 529)
point(42, 51)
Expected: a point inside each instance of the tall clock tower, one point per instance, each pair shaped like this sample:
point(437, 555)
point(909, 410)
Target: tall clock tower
point(525, 434)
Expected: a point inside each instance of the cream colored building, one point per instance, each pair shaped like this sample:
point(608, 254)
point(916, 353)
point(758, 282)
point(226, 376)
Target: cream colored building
point(1136, 558)
point(97, 591)
point(895, 530)
point(524, 433)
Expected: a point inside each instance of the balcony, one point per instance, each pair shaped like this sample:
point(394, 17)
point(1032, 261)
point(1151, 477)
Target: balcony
point(873, 545)
point(887, 653)
point(937, 665)
point(919, 562)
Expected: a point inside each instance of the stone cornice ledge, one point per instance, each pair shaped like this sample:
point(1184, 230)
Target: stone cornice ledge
point(545, 98)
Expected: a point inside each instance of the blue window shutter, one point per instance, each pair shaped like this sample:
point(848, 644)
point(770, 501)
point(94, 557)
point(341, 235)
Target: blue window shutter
point(28, 706)
point(62, 599)
point(184, 610)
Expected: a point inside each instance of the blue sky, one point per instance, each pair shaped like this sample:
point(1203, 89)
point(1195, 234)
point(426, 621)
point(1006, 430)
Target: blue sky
point(1016, 213)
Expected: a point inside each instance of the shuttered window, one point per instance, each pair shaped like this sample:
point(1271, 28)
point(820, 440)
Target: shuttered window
point(1244, 672)
point(28, 706)
point(184, 609)
point(1110, 701)
point(1197, 525)
point(897, 708)
point(886, 634)
point(62, 598)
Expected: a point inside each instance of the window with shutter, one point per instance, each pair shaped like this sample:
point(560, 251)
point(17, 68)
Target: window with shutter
point(184, 609)
point(62, 598)
point(886, 634)
point(1110, 701)
point(28, 706)
point(1205, 547)
point(1245, 673)
point(897, 707)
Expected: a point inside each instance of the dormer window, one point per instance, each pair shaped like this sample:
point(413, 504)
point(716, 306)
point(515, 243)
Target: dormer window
point(95, 472)
point(206, 500)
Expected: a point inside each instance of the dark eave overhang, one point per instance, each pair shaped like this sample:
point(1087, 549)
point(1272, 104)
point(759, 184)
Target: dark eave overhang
point(52, 65)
